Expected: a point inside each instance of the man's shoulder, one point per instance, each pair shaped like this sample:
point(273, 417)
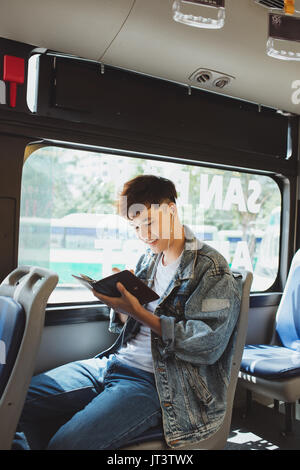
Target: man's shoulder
point(211, 259)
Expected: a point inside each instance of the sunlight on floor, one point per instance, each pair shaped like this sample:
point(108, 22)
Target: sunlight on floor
point(251, 440)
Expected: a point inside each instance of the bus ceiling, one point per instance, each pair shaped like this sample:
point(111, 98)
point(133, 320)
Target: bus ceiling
point(142, 36)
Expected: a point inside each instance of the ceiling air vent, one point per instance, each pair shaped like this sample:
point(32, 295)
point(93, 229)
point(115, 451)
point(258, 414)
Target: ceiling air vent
point(203, 76)
point(210, 78)
point(278, 4)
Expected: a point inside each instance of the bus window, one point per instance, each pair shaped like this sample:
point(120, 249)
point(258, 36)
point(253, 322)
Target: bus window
point(69, 222)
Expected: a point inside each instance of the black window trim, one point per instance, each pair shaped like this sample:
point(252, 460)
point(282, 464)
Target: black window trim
point(64, 314)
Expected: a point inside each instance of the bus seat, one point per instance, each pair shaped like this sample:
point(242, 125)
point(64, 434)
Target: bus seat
point(153, 439)
point(23, 297)
point(273, 370)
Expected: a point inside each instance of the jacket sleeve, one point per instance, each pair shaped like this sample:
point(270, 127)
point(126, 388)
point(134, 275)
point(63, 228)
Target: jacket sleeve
point(210, 315)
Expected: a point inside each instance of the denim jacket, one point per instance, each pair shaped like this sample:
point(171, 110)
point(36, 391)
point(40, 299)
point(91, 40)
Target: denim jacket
point(192, 359)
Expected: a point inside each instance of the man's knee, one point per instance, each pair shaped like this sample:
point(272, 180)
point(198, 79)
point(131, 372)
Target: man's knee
point(73, 440)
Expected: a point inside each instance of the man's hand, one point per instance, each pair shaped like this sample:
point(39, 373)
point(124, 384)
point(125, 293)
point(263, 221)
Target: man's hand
point(124, 304)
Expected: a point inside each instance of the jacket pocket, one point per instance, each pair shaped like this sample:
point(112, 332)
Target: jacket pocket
point(198, 385)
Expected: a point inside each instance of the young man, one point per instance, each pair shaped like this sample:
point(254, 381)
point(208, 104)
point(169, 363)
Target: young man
point(170, 364)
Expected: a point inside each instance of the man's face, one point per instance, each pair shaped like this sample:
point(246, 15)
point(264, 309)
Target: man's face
point(152, 226)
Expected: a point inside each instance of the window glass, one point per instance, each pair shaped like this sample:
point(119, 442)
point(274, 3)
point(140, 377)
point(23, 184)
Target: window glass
point(69, 221)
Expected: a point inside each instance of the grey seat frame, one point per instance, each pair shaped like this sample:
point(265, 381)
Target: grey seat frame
point(31, 287)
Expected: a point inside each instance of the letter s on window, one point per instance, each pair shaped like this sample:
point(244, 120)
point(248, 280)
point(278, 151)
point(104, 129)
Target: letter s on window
point(296, 94)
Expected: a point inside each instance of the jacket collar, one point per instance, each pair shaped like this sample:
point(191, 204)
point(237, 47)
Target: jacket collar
point(187, 264)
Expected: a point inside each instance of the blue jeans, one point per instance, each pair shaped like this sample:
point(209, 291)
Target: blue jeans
point(90, 404)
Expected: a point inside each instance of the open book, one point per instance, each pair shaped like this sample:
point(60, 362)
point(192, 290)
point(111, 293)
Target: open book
point(132, 283)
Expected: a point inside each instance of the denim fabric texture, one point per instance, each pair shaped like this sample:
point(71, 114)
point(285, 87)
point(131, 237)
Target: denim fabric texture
point(94, 404)
point(192, 360)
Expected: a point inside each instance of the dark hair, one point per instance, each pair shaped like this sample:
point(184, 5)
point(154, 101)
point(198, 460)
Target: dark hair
point(145, 190)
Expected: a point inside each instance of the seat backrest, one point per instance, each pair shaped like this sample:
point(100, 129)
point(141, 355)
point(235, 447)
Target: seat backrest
point(240, 342)
point(23, 298)
point(287, 317)
point(12, 324)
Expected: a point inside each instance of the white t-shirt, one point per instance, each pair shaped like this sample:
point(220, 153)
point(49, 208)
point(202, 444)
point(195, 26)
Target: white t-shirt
point(137, 352)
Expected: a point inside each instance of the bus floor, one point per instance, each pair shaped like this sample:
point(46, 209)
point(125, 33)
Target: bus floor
point(262, 429)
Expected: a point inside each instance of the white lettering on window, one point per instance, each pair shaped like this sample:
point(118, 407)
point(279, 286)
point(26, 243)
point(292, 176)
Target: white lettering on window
point(252, 205)
point(235, 195)
point(211, 194)
point(241, 258)
point(213, 191)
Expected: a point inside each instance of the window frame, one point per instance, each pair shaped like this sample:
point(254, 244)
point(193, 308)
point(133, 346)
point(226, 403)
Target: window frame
point(92, 312)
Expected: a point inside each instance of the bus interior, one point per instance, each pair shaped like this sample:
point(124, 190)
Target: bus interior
point(205, 93)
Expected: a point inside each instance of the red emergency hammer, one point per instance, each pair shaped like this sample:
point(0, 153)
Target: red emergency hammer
point(13, 72)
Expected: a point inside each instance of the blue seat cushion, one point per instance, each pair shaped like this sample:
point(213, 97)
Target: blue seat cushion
point(152, 434)
point(12, 324)
point(270, 361)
